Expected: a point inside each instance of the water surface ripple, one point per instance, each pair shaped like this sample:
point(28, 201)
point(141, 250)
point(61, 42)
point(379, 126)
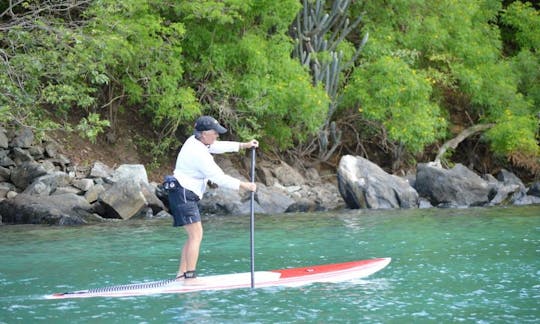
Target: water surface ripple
point(478, 265)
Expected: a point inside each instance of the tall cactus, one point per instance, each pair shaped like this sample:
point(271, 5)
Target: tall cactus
point(317, 31)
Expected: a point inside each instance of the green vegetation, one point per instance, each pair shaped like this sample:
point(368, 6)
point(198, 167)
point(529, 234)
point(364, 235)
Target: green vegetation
point(428, 67)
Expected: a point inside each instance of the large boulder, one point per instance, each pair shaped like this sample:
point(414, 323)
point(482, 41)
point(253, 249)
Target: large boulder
point(363, 184)
point(456, 187)
point(65, 209)
point(124, 199)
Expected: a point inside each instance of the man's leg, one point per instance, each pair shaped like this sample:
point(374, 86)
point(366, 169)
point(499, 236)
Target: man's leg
point(190, 251)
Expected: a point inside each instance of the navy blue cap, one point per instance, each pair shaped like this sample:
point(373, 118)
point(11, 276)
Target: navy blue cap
point(205, 123)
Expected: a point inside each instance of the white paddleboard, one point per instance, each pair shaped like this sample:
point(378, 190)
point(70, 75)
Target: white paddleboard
point(292, 277)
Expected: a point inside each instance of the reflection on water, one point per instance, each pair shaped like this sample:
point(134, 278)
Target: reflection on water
point(449, 265)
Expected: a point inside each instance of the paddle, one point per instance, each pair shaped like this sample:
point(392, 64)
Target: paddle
point(252, 221)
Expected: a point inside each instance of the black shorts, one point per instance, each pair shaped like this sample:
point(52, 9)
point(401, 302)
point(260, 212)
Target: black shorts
point(182, 203)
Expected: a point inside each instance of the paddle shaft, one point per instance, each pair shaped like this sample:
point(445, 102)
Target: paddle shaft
point(252, 221)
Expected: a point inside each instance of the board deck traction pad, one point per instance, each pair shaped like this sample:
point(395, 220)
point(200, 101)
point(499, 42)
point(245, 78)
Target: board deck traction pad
point(282, 277)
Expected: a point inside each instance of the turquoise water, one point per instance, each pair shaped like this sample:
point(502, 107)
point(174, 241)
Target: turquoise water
point(478, 265)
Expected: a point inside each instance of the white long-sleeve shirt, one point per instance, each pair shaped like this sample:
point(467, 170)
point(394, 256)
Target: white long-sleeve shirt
point(195, 165)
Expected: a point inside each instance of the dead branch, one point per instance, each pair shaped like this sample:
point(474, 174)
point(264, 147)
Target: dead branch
point(454, 142)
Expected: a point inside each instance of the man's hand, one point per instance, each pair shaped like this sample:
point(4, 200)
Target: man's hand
point(249, 186)
point(249, 144)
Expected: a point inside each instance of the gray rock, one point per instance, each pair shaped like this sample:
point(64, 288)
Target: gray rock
point(4, 141)
point(24, 137)
point(152, 200)
point(304, 205)
point(5, 187)
point(5, 174)
point(21, 155)
point(48, 183)
point(48, 166)
point(534, 190)
point(5, 160)
point(51, 149)
point(67, 189)
point(26, 173)
point(37, 152)
point(135, 172)
point(100, 170)
point(92, 195)
point(456, 187)
point(67, 209)
point(83, 184)
point(222, 201)
point(123, 200)
point(272, 199)
point(363, 184)
point(288, 176)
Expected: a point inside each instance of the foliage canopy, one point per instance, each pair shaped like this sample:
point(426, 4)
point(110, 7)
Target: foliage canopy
point(427, 66)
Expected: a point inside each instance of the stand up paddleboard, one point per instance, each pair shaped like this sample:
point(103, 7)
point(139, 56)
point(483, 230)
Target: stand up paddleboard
point(293, 277)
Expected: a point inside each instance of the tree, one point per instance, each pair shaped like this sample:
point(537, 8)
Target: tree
point(241, 64)
point(457, 47)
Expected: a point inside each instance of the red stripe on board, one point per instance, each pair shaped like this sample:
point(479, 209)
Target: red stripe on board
point(299, 272)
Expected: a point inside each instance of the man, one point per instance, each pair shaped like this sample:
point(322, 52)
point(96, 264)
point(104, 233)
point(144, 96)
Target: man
point(194, 167)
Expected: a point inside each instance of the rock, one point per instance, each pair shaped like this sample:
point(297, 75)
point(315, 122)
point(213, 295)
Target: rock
point(328, 196)
point(48, 166)
point(304, 205)
point(5, 160)
point(123, 200)
point(66, 189)
point(93, 193)
point(4, 141)
point(47, 184)
point(504, 194)
point(288, 176)
point(227, 201)
point(534, 190)
point(100, 170)
point(152, 200)
point(51, 149)
point(363, 184)
point(24, 137)
point(24, 174)
point(5, 174)
point(36, 152)
point(135, 172)
point(83, 184)
point(264, 174)
point(11, 194)
point(62, 161)
point(312, 175)
point(457, 187)
point(5, 187)
point(424, 203)
point(66, 209)
point(21, 155)
point(272, 199)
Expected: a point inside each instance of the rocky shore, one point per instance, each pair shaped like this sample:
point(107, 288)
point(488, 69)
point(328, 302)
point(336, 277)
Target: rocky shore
point(38, 185)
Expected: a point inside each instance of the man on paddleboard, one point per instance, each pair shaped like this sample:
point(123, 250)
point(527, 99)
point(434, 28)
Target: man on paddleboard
point(194, 167)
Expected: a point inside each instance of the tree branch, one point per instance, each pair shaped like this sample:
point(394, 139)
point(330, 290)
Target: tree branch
point(454, 142)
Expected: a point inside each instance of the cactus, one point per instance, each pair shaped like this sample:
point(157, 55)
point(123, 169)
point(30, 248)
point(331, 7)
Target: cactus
point(317, 31)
